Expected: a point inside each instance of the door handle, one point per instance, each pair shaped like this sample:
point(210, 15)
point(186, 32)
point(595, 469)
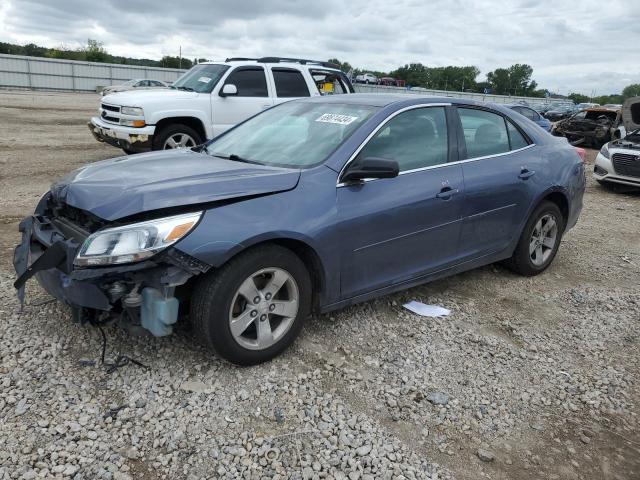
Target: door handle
point(446, 193)
point(525, 174)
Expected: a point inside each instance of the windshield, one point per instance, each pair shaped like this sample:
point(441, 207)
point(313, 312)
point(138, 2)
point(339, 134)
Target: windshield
point(130, 83)
point(201, 78)
point(293, 134)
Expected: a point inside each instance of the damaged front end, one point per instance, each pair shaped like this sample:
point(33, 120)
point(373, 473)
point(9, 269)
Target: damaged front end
point(593, 129)
point(88, 264)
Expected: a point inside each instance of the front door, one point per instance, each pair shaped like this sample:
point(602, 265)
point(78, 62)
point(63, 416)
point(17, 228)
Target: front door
point(400, 228)
point(252, 97)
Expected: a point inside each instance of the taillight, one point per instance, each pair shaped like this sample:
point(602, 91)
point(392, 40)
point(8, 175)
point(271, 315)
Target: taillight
point(582, 153)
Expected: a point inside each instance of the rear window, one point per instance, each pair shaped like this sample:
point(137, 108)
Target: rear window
point(330, 83)
point(485, 133)
point(290, 83)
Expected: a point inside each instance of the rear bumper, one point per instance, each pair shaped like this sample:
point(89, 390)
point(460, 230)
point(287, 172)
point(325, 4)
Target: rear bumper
point(128, 138)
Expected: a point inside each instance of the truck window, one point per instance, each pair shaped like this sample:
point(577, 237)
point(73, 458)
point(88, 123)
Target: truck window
point(250, 81)
point(289, 83)
point(330, 83)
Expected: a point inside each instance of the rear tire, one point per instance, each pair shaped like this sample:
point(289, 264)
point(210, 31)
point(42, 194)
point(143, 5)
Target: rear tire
point(536, 249)
point(219, 304)
point(176, 135)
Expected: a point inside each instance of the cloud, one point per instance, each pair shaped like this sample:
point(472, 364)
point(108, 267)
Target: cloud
point(572, 47)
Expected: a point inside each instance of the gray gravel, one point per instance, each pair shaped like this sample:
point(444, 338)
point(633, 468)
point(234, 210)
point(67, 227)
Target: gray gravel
point(527, 378)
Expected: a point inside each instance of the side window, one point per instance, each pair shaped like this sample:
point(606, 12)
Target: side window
point(532, 114)
point(415, 139)
point(250, 82)
point(142, 83)
point(290, 83)
point(329, 82)
point(485, 133)
point(516, 139)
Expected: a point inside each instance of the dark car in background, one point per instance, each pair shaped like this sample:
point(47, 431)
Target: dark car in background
point(558, 113)
point(532, 115)
point(309, 206)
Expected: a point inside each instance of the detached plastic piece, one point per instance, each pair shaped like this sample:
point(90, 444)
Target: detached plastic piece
point(158, 313)
point(426, 310)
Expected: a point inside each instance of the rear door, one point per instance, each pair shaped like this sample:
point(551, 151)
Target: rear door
point(289, 83)
point(252, 97)
point(399, 228)
point(499, 177)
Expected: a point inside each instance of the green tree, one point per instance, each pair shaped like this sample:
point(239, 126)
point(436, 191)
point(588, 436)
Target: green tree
point(578, 98)
point(515, 80)
point(175, 62)
point(95, 52)
point(632, 90)
point(344, 66)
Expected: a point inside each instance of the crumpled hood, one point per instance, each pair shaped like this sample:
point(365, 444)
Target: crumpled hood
point(125, 186)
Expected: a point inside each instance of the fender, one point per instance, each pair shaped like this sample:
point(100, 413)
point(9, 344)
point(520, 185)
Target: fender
point(199, 115)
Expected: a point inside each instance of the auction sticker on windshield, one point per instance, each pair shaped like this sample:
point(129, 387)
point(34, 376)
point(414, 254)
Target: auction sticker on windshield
point(336, 118)
point(204, 79)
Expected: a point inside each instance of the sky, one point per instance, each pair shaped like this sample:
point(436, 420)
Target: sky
point(587, 46)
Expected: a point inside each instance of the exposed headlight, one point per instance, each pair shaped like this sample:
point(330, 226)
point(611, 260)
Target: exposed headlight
point(135, 242)
point(604, 151)
point(137, 111)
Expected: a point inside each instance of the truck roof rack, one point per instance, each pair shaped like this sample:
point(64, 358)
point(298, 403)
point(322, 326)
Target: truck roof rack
point(301, 61)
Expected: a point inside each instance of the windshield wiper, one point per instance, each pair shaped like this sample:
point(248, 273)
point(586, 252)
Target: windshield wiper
point(237, 158)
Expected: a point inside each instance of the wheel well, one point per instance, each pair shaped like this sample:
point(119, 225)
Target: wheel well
point(192, 122)
point(561, 202)
point(309, 257)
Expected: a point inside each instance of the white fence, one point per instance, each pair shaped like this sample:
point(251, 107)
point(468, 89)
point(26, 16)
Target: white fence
point(36, 73)
point(363, 88)
point(17, 71)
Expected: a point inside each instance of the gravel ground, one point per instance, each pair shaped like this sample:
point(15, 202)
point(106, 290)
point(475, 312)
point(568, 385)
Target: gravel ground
point(528, 378)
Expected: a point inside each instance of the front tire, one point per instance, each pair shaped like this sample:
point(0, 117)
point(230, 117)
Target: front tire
point(176, 135)
point(254, 307)
point(539, 241)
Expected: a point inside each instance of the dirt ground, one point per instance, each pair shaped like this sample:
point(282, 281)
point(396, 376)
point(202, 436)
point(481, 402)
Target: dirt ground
point(543, 372)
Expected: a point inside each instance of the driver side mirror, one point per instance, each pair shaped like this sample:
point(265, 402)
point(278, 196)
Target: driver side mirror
point(228, 90)
point(371, 167)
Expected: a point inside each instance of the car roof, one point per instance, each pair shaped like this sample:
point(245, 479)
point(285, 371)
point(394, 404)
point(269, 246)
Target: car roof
point(387, 99)
point(292, 64)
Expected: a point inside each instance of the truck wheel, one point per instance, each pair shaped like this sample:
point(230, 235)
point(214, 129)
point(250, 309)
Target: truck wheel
point(539, 241)
point(254, 307)
point(176, 135)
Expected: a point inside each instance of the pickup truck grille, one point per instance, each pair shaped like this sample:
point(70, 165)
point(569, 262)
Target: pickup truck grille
point(107, 113)
point(626, 164)
point(111, 108)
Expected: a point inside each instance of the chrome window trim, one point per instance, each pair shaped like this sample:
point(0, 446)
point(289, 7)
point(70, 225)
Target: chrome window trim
point(431, 167)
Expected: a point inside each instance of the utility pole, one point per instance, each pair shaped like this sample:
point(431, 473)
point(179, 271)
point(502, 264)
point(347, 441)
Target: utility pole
point(180, 58)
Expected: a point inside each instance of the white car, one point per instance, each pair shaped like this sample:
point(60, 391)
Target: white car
point(133, 85)
point(209, 99)
point(366, 78)
point(619, 160)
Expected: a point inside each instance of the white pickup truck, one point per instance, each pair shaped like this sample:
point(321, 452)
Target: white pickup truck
point(209, 99)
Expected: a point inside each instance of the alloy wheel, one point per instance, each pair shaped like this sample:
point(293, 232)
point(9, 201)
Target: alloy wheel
point(543, 239)
point(179, 140)
point(264, 308)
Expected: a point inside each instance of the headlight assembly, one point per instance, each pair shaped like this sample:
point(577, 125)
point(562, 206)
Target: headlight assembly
point(604, 151)
point(136, 111)
point(135, 242)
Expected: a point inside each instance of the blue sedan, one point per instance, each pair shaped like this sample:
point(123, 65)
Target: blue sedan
point(310, 206)
point(532, 115)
